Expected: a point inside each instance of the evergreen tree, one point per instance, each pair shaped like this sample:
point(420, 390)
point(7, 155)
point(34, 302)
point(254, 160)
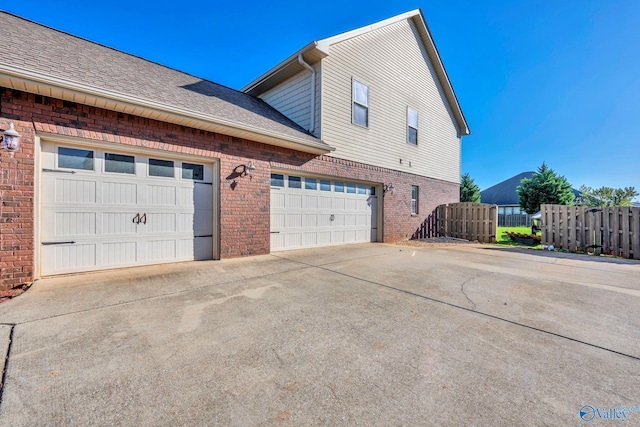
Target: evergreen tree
point(469, 191)
point(545, 186)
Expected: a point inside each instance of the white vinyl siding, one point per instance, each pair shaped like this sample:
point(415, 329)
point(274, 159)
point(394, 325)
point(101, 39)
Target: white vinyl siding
point(393, 62)
point(293, 99)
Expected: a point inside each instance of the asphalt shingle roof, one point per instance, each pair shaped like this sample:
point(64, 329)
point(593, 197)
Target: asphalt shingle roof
point(505, 192)
point(41, 49)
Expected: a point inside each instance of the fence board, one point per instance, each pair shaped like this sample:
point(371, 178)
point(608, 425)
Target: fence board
point(610, 230)
point(635, 234)
point(615, 231)
point(470, 221)
point(626, 233)
point(573, 218)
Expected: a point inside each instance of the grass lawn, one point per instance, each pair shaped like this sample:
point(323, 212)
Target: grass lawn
point(503, 239)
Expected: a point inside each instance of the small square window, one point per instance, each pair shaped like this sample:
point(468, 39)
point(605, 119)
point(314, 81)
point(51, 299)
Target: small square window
point(351, 188)
point(325, 185)
point(163, 168)
point(338, 187)
point(277, 180)
point(119, 163)
point(362, 189)
point(310, 184)
point(74, 158)
point(192, 171)
point(414, 199)
point(295, 182)
point(360, 95)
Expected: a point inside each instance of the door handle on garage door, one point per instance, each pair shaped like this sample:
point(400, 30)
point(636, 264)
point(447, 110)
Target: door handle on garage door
point(143, 219)
point(136, 219)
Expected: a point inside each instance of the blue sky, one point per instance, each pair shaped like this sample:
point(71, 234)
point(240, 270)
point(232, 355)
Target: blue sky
point(537, 80)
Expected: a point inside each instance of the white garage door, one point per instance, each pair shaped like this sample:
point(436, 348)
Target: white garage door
point(310, 212)
point(103, 209)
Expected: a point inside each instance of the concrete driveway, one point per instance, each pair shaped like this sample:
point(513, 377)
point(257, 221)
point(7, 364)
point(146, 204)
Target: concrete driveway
point(357, 335)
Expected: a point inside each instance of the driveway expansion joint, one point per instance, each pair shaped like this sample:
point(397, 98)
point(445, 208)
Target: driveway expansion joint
point(5, 360)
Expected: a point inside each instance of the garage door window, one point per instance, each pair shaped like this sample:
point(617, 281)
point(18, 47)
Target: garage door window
point(295, 182)
point(163, 168)
point(325, 185)
point(277, 180)
point(310, 184)
point(338, 187)
point(192, 171)
point(119, 163)
point(351, 188)
point(74, 158)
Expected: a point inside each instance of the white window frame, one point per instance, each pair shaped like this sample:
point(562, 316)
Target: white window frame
point(412, 124)
point(354, 102)
point(414, 200)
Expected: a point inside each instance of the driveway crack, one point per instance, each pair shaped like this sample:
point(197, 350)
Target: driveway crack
point(473, 304)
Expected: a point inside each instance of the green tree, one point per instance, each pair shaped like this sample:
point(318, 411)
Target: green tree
point(606, 196)
point(545, 186)
point(469, 191)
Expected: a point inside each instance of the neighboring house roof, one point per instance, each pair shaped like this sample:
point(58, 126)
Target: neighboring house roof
point(45, 61)
point(505, 192)
point(316, 50)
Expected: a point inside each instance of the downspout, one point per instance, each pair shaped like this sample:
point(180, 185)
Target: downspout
point(313, 92)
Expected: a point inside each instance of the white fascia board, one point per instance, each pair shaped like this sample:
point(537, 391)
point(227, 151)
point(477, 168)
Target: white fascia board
point(260, 135)
point(280, 66)
point(325, 44)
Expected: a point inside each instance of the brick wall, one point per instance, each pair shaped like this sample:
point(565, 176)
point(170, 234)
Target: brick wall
point(244, 207)
point(16, 208)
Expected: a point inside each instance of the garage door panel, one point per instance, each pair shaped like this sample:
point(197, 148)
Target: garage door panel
point(293, 201)
point(75, 191)
point(119, 253)
point(161, 195)
point(92, 219)
point(69, 257)
point(160, 223)
point(119, 193)
point(161, 250)
point(319, 215)
point(118, 223)
point(75, 223)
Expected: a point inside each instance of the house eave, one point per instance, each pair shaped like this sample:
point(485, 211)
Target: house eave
point(311, 53)
point(32, 82)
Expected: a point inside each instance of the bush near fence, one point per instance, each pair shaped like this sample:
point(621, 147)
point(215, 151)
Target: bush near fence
point(469, 221)
point(609, 231)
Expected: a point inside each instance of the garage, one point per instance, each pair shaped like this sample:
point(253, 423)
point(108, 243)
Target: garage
point(309, 212)
point(102, 208)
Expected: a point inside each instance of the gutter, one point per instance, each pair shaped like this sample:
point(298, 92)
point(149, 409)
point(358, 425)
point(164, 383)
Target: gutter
point(103, 96)
point(313, 92)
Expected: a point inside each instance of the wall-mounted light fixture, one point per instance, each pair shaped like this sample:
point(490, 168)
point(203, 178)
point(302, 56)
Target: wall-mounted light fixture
point(10, 139)
point(388, 188)
point(241, 171)
point(249, 168)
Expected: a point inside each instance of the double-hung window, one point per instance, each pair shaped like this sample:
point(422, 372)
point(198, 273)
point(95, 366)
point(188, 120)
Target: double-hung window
point(360, 104)
point(412, 126)
point(414, 199)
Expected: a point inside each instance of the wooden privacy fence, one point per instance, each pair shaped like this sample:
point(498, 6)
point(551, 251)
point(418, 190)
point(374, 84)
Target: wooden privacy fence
point(609, 231)
point(469, 221)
